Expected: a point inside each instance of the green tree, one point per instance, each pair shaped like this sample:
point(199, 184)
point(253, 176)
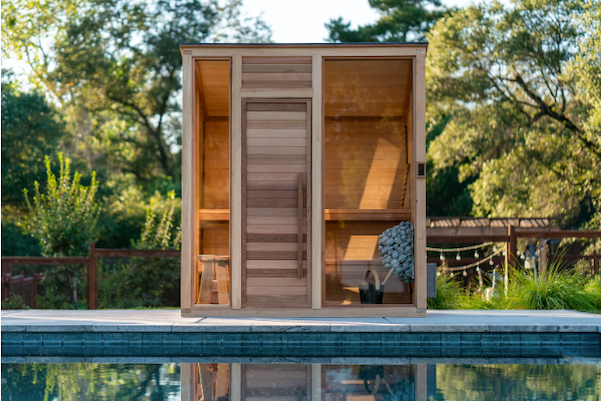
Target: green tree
point(63, 219)
point(584, 71)
point(517, 132)
point(517, 382)
point(400, 21)
point(30, 130)
point(98, 381)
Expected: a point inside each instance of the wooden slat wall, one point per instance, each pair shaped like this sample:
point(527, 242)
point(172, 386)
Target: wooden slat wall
point(365, 162)
point(276, 149)
point(276, 382)
point(216, 166)
point(215, 187)
point(276, 72)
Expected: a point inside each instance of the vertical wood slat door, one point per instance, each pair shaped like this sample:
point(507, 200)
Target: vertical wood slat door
point(276, 203)
point(276, 382)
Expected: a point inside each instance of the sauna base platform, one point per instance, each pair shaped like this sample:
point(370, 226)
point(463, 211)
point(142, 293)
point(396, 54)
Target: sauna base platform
point(346, 311)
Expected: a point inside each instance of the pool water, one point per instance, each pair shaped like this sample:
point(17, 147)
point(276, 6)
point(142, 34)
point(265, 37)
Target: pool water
point(363, 379)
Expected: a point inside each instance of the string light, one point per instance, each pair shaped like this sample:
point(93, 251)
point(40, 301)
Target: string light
point(487, 259)
point(464, 248)
point(441, 257)
point(465, 273)
point(476, 254)
point(458, 257)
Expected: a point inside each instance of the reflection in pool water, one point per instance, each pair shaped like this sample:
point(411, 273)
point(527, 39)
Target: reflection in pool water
point(315, 381)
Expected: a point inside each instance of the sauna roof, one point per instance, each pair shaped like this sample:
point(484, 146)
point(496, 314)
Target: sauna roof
point(521, 222)
point(300, 45)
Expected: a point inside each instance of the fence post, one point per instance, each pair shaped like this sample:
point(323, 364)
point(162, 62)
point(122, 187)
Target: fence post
point(36, 277)
point(513, 247)
point(542, 256)
point(92, 277)
point(596, 264)
point(7, 274)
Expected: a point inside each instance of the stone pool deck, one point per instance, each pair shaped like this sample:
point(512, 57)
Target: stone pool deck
point(165, 332)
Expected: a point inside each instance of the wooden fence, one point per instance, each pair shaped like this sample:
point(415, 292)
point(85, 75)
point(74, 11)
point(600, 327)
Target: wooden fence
point(91, 261)
point(9, 282)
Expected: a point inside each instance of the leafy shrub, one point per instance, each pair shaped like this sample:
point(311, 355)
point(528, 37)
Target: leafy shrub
point(63, 219)
point(146, 282)
point(16, 241)
point(14, 302)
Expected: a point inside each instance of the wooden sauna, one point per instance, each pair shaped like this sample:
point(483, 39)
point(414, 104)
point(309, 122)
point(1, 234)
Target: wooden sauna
point(289, 381)
point(295, 158)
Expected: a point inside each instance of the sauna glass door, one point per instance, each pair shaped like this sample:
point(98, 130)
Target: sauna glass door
point(276, 202)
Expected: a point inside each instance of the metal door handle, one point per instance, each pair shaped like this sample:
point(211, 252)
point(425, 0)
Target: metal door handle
point(301, 180)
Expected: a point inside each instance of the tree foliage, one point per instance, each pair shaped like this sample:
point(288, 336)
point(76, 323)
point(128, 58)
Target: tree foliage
point(519, 129)
point(63, 219)
point(147, 282)
point(30, 130)
point(115, 65)
point(98, 381)
point(400, 21)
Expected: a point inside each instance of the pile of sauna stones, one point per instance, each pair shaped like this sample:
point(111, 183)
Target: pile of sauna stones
point(396, 251)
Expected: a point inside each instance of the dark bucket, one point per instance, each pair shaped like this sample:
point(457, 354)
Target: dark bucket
point(371, 293)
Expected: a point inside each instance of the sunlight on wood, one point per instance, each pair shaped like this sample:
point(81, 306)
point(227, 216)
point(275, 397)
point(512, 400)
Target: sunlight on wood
point(361, 247)
point(384, 150)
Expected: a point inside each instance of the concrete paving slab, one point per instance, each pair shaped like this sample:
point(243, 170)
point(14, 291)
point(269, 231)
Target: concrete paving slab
point(136, 328)
point(14, 328)
point(213, 325)
point(464, 321)
point(289, 325)
point(374, 325)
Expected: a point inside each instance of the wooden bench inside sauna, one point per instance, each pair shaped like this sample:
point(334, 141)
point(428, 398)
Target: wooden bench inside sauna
point(295, 159)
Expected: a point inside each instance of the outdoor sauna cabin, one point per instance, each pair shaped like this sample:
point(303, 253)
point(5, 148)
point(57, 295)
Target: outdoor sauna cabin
point(280, 381)
point(297, 159)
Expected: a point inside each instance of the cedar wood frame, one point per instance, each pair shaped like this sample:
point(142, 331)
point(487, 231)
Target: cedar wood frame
point(235, 52)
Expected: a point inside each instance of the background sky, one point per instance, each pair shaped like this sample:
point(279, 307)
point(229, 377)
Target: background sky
point(290, 21)
point(303, 21)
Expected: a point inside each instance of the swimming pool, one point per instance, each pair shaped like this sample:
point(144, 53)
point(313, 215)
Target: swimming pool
point(358, 379)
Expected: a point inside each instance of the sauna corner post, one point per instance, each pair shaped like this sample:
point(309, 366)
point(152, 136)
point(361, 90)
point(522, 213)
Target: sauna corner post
point(236, 184)
point(188, 189)
point(419, 151)
point(317, 194)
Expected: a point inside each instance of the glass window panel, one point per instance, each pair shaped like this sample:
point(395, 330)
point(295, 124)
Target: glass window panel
point(367, 107)
point(212, 181)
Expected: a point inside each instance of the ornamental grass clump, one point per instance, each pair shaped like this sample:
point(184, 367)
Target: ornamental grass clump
point(558, 288)
point(448, 294)
point(593, 288)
